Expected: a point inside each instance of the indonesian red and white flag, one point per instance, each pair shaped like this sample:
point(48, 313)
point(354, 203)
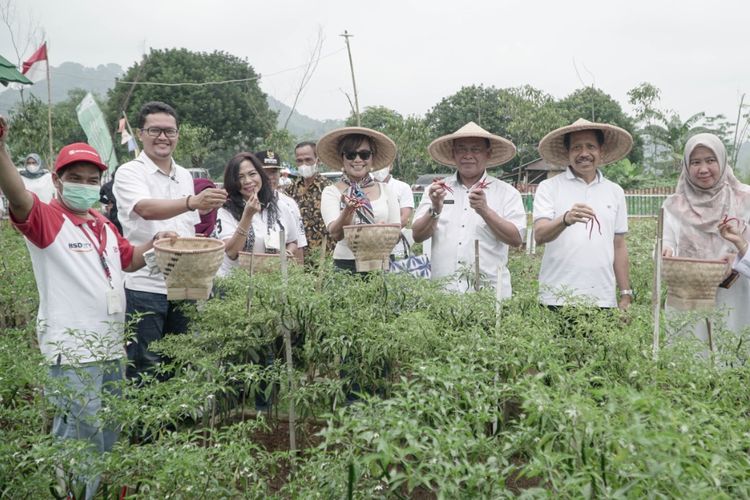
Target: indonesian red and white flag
point(34, 67)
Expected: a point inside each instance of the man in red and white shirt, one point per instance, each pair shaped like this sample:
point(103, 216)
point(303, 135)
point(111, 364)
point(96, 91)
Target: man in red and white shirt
point(78, 259)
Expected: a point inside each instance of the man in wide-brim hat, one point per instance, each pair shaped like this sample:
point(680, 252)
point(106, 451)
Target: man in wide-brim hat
point(471, 206)
point(582, 218)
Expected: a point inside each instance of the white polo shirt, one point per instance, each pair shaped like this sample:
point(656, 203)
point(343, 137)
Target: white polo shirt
point(74, 324)
point(141, 179)
point(580, 262)
point(293, 209)
point(459, 226)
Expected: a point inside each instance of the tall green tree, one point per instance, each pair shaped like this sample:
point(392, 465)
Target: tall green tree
point(410, 134)
point(482, 105)
point(237, 113)
point(28, 124)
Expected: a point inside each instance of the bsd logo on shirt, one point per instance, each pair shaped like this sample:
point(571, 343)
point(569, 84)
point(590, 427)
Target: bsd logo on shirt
point(80, 246)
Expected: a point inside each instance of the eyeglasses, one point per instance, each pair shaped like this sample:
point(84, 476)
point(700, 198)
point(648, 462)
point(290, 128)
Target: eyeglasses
point(157, 131)
point(364, 154)
point(475, 150)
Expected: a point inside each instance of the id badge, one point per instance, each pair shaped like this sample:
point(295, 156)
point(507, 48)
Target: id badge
point(271, 241)
point(114, 302)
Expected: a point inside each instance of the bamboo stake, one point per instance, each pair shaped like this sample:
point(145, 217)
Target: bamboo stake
point(49, 112)
point(656, 291)
point(710, 338)
point(476, 265)
point(288, 347)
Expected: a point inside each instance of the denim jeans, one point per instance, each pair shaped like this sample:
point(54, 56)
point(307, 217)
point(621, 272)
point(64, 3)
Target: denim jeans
point(77, 392)
point(158, 318)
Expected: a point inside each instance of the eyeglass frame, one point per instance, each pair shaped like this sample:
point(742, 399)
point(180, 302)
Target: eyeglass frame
point(169, 132)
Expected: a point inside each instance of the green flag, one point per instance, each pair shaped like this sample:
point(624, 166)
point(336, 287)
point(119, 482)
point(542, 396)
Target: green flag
point(93, 123)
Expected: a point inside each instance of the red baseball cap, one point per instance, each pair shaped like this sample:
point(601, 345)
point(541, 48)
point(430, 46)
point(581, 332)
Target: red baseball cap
point(78, 152)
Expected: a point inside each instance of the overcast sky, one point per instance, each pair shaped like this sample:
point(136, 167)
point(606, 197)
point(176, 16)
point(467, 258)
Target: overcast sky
point(408, 54)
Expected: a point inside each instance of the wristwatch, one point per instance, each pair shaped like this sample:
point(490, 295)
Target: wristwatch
point(433, 214)
point(627, 292)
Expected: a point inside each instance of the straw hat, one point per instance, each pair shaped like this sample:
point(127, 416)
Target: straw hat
point(441, 149)
point(328, 146)
point(617, 143)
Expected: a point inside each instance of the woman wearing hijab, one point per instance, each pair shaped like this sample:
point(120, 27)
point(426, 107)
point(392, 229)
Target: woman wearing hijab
point(707, 195)
point(356, 198)
point(207, 225)
point(37, 179)
point(252, 218)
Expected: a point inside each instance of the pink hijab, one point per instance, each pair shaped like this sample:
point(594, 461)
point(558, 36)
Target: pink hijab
point(699, 211)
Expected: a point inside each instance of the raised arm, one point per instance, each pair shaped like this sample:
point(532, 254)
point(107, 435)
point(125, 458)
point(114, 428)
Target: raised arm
point(20, 201)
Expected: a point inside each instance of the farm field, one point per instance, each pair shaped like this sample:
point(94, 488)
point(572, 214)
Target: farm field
point(400, 391)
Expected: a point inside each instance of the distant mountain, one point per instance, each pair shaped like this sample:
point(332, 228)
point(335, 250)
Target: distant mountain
point(99, 80)
point(301, 126)
point(66, 77)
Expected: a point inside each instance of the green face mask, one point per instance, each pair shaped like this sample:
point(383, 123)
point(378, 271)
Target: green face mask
point(80, 197)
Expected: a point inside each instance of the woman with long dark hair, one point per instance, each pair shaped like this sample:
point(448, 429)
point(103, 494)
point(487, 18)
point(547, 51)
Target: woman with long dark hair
point(251, 218)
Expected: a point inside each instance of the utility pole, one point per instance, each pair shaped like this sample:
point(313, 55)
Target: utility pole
point(346, 36)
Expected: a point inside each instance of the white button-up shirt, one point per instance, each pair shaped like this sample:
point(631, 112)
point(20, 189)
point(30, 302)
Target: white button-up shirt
point(459, 226)
point(141, 179)
point(580, 261)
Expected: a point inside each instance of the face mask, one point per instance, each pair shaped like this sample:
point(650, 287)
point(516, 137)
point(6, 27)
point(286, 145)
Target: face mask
point(381, 175)
point(80, 197)
point(308, 171)
point(33, 168)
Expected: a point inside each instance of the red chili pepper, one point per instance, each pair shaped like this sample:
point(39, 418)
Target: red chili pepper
point(442, 184)
point(360, 203)
point(593, 220)
point(730, 219)
point(482, 184)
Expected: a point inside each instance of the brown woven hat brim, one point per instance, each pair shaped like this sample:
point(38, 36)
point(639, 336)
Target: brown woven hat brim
point(328, 147)
point(617, 143)
point(441, 149)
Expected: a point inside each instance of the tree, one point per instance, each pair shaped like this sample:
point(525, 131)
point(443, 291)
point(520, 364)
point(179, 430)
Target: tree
point(479, 104)
point(237, 112)
point(410, 134)
point(28, 125)
point(193, 145)
point(533, 114)
point(594, 105)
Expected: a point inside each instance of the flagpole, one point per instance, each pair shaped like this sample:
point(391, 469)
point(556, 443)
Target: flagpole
point(130, 131)
point(49, 112)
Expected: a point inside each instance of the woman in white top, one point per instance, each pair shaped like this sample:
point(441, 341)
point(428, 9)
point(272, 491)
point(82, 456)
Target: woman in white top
point(356, 198)
point(251, 218)
point(707, 195)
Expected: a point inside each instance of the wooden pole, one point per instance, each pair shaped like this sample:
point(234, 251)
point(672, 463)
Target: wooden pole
point(346, 36)
point(288, 347)
point(476, 265)
point(656, 290)
point(49, 112)
point(130, 131)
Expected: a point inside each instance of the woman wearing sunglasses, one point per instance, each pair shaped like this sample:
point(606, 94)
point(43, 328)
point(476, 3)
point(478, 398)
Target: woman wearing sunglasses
point(356, 198)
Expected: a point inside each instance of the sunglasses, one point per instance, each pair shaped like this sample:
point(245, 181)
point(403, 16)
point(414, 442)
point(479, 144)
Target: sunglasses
point(351, 155)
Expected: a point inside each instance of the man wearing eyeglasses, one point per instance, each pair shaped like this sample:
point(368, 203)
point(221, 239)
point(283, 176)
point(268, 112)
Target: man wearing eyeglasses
point(471, 207)
point(154, 194)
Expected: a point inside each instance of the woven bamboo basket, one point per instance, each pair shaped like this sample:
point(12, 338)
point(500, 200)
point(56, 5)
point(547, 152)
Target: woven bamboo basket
point(189, 266)
point(371, 244)
point(692, 283)
point(261, 262)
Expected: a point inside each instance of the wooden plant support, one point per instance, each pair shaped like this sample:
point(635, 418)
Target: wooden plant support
point(288, 347)
point(322, 262)
point(476, 265)
point(656, 290)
